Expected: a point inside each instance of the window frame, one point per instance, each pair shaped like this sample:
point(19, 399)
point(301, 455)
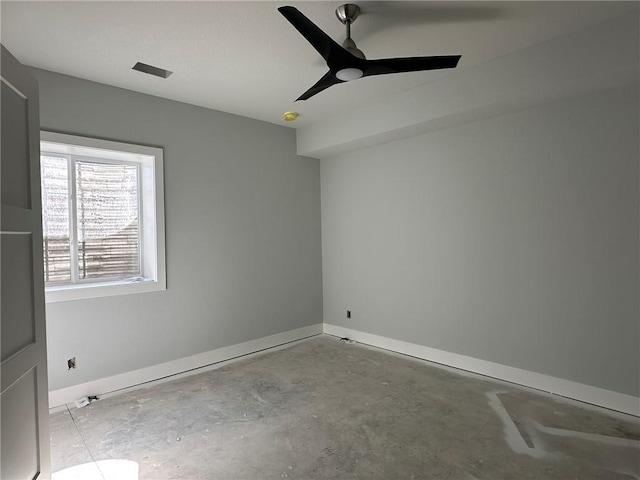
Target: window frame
point(149, 161)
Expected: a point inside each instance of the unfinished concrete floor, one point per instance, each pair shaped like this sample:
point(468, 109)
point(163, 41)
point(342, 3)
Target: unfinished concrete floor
point(325, 409)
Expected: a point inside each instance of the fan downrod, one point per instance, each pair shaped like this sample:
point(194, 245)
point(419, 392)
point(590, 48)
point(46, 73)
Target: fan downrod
point(347, 14)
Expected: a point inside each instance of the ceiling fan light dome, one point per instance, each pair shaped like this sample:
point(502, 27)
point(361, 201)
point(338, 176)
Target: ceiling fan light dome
point(348, 74)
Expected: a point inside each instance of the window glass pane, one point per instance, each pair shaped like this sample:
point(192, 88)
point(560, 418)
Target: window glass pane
point(107, 216)
point(55, 218)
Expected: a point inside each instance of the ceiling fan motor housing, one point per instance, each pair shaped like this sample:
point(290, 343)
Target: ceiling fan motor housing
point(350, 46)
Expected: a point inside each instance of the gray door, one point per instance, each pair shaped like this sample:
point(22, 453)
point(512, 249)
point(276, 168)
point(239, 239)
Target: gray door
point(24, 394)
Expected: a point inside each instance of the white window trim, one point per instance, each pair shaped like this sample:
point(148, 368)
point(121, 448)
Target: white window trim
point(150, 160)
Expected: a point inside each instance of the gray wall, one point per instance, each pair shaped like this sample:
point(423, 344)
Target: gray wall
point(243, 241)
point(513, 239)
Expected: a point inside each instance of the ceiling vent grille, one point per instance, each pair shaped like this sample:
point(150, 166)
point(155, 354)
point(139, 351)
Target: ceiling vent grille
point(151, 70)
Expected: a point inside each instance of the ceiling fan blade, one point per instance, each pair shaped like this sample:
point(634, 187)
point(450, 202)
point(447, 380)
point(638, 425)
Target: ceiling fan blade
point(323, 43)
point(325, 82)
point(409, 64)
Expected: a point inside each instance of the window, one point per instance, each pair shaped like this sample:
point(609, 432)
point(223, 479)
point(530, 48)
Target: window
point(102, 217)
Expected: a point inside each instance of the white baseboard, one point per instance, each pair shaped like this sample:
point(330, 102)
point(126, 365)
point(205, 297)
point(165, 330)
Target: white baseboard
point(182, 367)
point(585, 393)
point(210, 360)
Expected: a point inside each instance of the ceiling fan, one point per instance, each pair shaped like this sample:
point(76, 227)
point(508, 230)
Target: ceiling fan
point(347, 62)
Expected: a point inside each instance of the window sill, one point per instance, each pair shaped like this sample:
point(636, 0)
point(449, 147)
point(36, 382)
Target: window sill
point(67, 293)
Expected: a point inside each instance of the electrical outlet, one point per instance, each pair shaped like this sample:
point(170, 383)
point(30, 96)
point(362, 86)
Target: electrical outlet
point(71, 363)
point(348, 313)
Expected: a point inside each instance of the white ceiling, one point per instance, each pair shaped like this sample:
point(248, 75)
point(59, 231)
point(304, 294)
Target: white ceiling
point(245, 58)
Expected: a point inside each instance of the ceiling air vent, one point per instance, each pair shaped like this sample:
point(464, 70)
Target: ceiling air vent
point(151, 70)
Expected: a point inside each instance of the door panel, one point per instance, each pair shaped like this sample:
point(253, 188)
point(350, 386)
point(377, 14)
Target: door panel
point(16, 185)
point(17, 294)
point(24, 448)
point(20, 428)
